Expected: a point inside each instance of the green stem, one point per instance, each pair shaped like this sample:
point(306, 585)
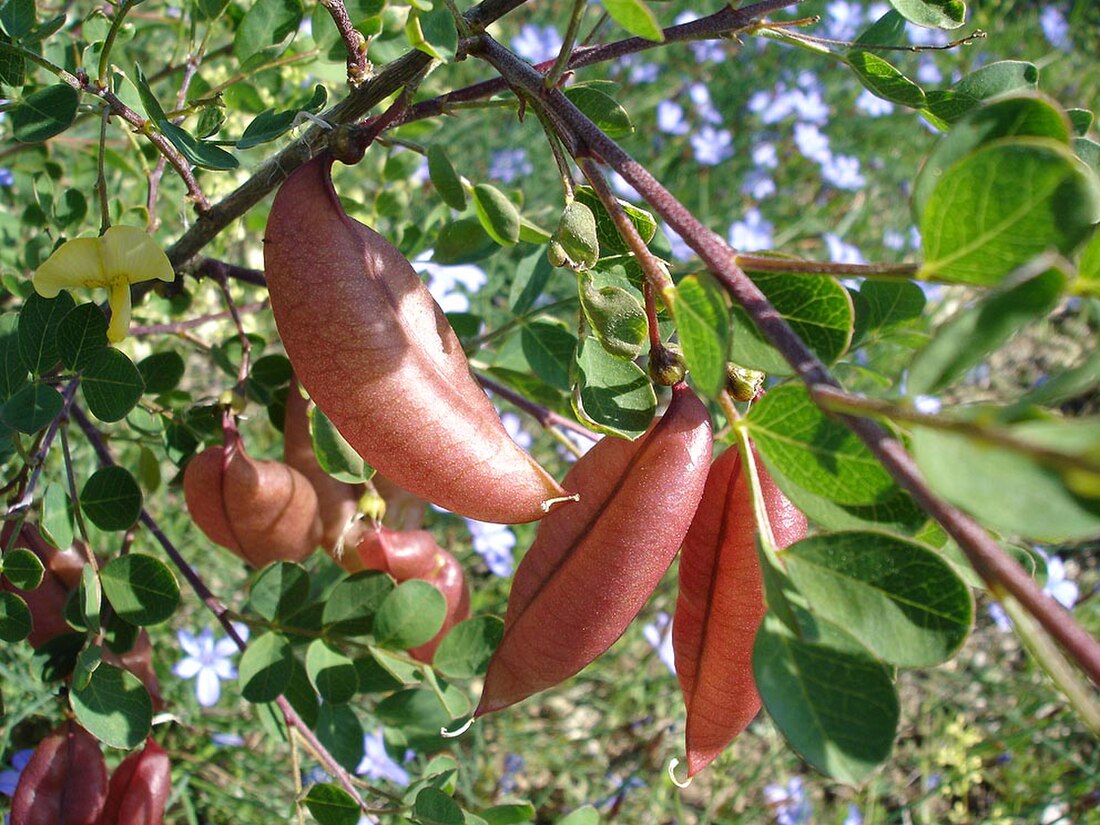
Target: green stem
point(562, 62)
point(121, 11)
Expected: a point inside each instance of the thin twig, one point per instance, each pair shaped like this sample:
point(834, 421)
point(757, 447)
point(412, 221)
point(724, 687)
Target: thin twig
point(547, 418)
point(359, 68)
point(1000, 572)
point(180, 327)
point(191, 68)
point(38, 457)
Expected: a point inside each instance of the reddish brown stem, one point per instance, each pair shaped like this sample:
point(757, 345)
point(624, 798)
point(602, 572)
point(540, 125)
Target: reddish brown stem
point(358, 66)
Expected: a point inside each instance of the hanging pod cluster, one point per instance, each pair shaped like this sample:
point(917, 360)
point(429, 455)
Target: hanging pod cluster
point(379, 358)
point(593, 566)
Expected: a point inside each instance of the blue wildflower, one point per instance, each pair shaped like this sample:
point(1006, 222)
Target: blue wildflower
point(659, 635)
point(751, 233)
point(207, 662)
point(712, 146)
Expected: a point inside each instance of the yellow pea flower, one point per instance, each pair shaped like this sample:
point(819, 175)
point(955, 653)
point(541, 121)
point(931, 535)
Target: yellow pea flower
point(121, 256)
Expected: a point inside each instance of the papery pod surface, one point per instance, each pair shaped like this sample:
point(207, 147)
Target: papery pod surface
point(594, 564)
point(263, 511)
point(377, 355)
point(65, 781)
point(721, 604)
point(139, 788)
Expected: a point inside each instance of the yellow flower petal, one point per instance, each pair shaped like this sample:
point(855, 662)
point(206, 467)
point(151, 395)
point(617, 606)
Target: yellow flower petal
point(118, 297)
point(128, 252)
point(76, 263)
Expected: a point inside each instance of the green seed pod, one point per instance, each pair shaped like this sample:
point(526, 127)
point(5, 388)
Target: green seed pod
point(576, 237)
point(616, 316)
point(744, 384)
point(667, 365)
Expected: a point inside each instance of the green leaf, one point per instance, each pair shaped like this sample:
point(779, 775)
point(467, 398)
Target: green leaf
point(332, 673)
point(70, 209)
point(153, 110)
point(45, 113)
point(1007, 490)
point(612, 396)
point(1088, 151)
point(265, 668)
point(465, 651)
point(55, 520)
point(939, 14)
point(899, 598)
point(23, 569)
point(463, 241)
point(32, 408)
point(999, 78)
point(616, 316)
point(331, 805)
point(532, 275)
point(114, 707)
point(341, 732)
point(91, 599)
point(141, 589)
point(279, 590)
point(409, 616)
point(835, 704)
point(80, 335)
point(161, 372)
point(1002, 205)
point(549, 349)
point(418, 713)
point(601, 109)
point(1088, 267)
point(111, 499)
point(266, 23)
point(516, 813)
point(352, 604)
point(438, 32)
point(585, 815)
point(334, 454)
point(270, 124)
point(39, 320)
point(888, 30)
point(608, 236)
point(13, 372)
point(703, 323)
point(18, 17)
point(12, 65)
point(945, 107)
point(15, 618)
point(882, 305)
point(433, 807)
point(445, 179)
point(1021, 115)
point(974, 331)
point(111, 384)
point(897, 512)
point(636, 17)
point(813, 451)
point(885, 81)
point(818, 308)
point(498, 215)
point(197, 152)
point(1081, 119)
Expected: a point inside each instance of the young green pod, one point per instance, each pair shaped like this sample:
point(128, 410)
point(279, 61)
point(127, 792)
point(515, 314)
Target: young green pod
point(263, 511)
point(593, 565)
point(65, 781)
point(139, 788)
point(377, 355)
point(721, 604)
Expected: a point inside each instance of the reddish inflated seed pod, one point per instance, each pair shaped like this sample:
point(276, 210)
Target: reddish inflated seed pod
point(65, 781)
point(139, 788)
point(378, 356)
point(721, 604)
point(449, 579)
point(263, 511)
point(593, 565)
point(337, 501)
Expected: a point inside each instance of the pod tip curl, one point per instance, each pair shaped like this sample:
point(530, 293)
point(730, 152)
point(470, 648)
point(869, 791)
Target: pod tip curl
point(449, 734)
point(672, 775)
